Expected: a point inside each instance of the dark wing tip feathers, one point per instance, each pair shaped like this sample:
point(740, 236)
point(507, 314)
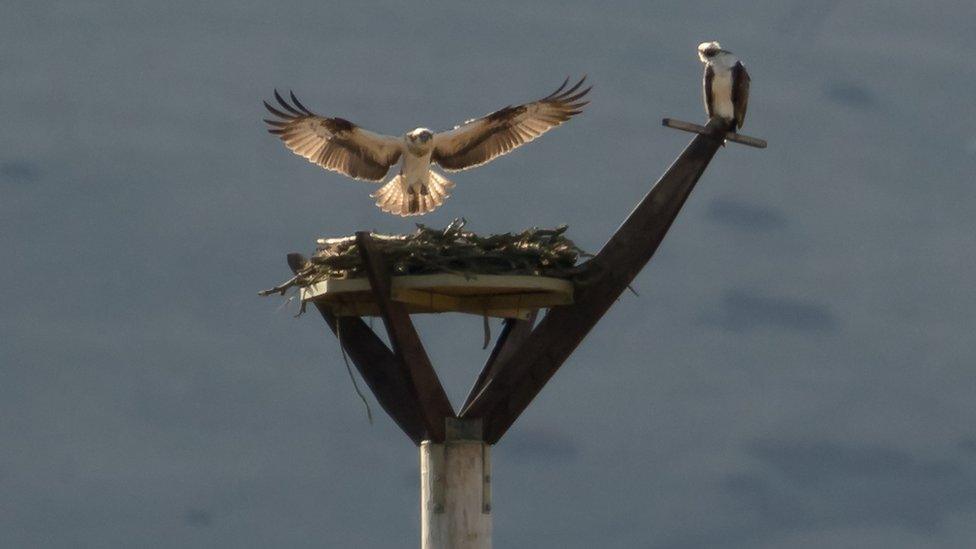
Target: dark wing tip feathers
point(570, 98)
point(292, 111)
point(286, 106)
point(567, 97)
point(559, 89)
point(299, 104)
point(277, 126)
point(276, 112)
point(567, 100)
point(575, 87)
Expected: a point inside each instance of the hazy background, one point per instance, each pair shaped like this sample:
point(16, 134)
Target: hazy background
point(798, 370)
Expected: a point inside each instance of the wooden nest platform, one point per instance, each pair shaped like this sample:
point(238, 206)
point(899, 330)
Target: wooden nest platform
point(504, 296)
point(507, 275)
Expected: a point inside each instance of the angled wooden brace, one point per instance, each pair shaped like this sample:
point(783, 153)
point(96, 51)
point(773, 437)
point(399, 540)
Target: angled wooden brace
point(377, 365)
point(521, 377)
point(514, 333)
point(435, 407)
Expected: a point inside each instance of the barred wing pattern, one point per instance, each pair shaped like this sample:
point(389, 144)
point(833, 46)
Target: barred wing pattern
point(333, 143)
point(481, 140)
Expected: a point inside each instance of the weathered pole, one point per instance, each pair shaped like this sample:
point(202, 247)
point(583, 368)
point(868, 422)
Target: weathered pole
point(455, 489)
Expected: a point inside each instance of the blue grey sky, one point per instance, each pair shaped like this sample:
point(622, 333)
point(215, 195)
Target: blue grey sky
point(798, 370)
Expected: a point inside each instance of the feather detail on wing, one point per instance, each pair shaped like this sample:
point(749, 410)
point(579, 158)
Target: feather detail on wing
point(480, 140)
point(740, 93)
point(333, 143)
point(707, 86)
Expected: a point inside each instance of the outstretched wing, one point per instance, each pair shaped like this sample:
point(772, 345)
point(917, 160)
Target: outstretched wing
point(740, 93)
point(478, 141)
point(333, 143)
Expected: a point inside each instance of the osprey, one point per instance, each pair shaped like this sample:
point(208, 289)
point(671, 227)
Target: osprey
point(726, 84)
point(339, 145)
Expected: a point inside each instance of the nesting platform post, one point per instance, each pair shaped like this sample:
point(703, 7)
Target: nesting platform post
point(454, 446)
point(455, 489)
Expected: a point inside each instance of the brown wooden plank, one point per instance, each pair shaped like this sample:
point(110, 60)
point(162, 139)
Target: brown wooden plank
point(377, 365)
point(434, 404)
point(519, 379)
point(513, 335)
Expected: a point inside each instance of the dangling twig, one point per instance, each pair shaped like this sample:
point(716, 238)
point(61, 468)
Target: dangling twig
point(369, 414)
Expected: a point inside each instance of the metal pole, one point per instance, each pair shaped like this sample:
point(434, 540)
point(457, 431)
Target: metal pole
point(455, 489)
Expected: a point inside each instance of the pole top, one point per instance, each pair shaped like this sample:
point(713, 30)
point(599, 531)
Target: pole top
point(463, 429)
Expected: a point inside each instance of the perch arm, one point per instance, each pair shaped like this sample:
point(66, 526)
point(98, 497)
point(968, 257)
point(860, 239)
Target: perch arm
point(520, 378)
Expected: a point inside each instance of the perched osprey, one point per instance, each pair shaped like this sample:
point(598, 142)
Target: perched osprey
point(341, 146)
point(726, 84)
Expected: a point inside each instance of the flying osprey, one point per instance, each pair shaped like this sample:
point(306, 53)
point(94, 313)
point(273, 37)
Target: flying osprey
point(341, 146)
point(726, 84)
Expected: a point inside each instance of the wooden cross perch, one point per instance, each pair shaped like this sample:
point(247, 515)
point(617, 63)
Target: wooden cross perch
point(702, 130)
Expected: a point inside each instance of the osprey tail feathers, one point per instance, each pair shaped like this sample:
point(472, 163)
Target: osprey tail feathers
point(437, 187)
point(397, 198)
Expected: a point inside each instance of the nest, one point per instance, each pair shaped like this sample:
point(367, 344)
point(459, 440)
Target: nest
point(535, 251)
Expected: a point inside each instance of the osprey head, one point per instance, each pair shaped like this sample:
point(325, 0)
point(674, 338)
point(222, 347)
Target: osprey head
point(420, 136)
point(708, 50)
point(419, 141)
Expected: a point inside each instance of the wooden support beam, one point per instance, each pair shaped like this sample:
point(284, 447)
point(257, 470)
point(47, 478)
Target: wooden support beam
point(702, 130)
point(520, 378)
point(513, 335)
point(377, 365)
point(434, 404)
